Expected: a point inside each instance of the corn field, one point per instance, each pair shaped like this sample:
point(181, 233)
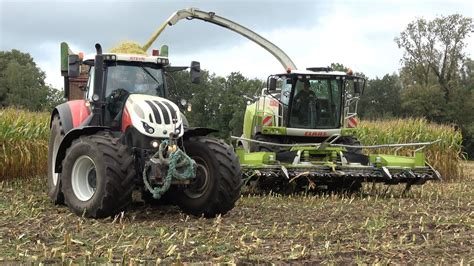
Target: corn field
point(23, 143)
point(445, 156)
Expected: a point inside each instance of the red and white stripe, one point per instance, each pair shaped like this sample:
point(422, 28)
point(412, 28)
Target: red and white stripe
point(267, 121)
point(352, 122)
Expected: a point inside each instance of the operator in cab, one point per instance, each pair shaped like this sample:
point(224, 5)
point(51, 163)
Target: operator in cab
point(304, 102)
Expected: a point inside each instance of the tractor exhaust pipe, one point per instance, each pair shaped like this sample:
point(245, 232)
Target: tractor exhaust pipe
point(98, 48)
point(99, 91)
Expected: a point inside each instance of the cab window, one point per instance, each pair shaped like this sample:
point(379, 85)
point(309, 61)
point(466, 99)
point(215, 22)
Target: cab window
point(90, 84)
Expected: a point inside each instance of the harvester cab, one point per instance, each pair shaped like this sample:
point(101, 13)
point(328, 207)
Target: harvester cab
point(303, 106)
point(124, 134)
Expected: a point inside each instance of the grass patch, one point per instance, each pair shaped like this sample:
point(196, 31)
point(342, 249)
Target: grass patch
point(432, 224)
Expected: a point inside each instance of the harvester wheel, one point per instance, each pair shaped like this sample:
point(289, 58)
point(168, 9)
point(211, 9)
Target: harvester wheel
point(218, 180)
point(255, 147)
point(54, 179)
point(351, 140)
point(99, 176)
point(351, 186)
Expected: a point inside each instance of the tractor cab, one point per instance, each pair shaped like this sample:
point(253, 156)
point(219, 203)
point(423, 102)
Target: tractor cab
point(125, 75)
point(315, 99)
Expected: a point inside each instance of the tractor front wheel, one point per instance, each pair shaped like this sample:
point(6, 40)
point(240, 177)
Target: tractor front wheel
point(216, 187)
point(98, 176)
point(54, 179)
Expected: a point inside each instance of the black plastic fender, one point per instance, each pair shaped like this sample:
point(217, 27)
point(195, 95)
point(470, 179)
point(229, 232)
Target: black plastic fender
point(69, 138)
point(65, 115)
point(197, 131)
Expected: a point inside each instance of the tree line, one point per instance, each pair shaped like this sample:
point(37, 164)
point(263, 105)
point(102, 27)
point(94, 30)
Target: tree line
point(435, 81)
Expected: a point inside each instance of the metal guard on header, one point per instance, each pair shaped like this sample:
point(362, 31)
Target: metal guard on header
point(384, 175)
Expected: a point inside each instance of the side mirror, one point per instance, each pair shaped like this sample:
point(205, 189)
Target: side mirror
point(73, 69)
point(195, 72)
point(273, 84)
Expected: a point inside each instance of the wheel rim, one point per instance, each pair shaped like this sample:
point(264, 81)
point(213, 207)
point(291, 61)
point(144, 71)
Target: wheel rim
point(201, 182)
point(84, 178)
point(55, 175)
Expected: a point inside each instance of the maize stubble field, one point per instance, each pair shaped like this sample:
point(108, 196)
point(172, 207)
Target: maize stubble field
point(431, 224)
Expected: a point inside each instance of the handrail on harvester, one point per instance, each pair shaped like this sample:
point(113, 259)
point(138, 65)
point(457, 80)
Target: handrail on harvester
point(340, 145)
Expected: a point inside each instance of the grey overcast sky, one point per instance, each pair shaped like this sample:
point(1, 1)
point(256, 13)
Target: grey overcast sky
point(358, 34)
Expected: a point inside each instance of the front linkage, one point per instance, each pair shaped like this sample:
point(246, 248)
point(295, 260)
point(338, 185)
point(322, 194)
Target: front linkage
point(178, 164)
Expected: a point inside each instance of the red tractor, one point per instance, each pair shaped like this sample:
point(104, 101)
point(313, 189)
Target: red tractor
point(124, 135)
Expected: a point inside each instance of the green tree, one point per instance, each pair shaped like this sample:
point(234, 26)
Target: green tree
point(233, 101)
point(22, 82)
point(381, 98)
point(434, 50)
point(54, 98)
point(424, 100)
point(217, 102)
point(437, 74)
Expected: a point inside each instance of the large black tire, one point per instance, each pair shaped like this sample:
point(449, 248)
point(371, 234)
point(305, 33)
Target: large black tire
point(351, 140)
point(218, 180)
point(255, 147)
point(355, 154)
point(104, 188)
point(54, 179)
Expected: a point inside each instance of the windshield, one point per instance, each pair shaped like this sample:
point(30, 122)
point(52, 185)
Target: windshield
point(135, 78)
point(316, 102)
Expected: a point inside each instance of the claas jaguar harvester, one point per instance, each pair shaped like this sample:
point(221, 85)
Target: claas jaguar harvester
point(125, 135)
point(301, 134)
point(301, 131)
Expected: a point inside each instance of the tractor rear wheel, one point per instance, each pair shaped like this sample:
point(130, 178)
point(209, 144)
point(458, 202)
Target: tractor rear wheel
point(98, 176)
point(218, 180)
point(54, 179)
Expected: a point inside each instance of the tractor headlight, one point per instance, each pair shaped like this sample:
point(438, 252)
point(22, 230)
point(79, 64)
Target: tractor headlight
point(110, 57)
point(155, 144)
point(163, 61)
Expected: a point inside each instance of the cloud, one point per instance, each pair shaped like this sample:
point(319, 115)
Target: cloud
point(358, 34)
